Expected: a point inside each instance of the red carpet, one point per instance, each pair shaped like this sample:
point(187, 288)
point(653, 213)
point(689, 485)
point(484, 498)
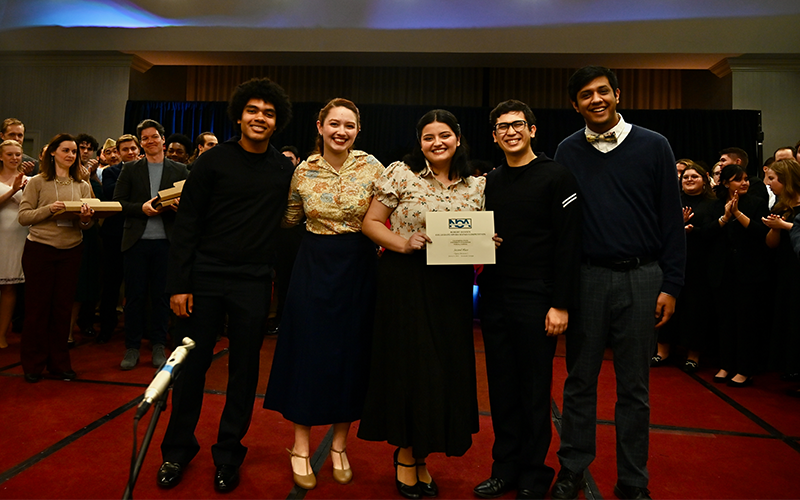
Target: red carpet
point(73, 439)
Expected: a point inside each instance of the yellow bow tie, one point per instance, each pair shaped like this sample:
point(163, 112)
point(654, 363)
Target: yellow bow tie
point(607, 137)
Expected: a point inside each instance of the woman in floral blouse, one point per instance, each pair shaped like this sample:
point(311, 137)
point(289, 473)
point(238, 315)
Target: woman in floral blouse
point(422, 390)
point(319, 371)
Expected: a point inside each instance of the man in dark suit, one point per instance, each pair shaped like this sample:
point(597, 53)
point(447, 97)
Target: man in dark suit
point(145, 241)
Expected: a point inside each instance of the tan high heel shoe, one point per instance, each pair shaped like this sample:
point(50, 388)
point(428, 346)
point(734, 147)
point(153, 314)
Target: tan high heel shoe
point(307, 481)
point(341, 476)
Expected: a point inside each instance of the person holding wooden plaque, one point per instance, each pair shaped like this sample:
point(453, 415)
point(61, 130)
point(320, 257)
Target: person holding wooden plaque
point(51, 259)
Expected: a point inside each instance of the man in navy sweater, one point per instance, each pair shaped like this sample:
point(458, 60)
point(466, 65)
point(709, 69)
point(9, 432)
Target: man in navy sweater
point(634, 253)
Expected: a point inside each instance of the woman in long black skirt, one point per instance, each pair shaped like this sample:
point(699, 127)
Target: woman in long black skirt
point(422, 391)
point(319, 371)
point(692, 318)
point(740, 271)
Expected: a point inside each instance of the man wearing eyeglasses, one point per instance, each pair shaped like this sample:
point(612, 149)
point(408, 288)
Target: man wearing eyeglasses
point(525, 299)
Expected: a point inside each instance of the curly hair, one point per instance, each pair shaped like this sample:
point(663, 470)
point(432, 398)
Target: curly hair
point(88, 139)
point(266, 90)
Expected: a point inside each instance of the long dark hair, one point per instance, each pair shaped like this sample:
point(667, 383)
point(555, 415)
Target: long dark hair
point(48, 166)
point(729, 173)
point(459, 165)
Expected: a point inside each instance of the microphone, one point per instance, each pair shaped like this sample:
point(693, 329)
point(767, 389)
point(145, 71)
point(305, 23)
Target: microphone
point(161, 381)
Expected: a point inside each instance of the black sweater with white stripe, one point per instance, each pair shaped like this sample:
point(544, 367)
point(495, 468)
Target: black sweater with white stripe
point(537, 212)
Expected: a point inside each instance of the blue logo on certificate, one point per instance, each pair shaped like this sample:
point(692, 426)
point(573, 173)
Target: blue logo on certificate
point(460, 223)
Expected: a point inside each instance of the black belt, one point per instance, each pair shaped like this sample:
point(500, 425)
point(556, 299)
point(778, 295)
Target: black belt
point(619, 265)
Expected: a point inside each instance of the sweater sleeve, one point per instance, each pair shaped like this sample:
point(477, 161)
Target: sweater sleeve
point(30, 212)
point(672, 257)
point(567, 215)
point(188, 227)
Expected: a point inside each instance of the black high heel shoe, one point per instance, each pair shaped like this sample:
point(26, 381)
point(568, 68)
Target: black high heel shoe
point(746, 382)
point(412, 492)
point(427, 489)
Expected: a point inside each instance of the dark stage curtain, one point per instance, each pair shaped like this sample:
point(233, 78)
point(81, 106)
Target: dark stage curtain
point(388, 130)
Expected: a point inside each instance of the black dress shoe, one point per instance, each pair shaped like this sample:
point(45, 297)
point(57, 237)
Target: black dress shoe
point(690, 366)
point(721, 380)
point(657, 361)
point(428, 489)
point(32, 378)
point(169, 474)
point(69, 375)
point(745, 383)
point(227, 478)
point(413, 491)
point(568, 485)
point(625, 492)
point(791, 377)
point(492, 488)
point(527, 493)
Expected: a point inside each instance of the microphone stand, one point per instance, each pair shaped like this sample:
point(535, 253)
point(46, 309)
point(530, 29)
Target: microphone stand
point(156, 393)
point(136, 467)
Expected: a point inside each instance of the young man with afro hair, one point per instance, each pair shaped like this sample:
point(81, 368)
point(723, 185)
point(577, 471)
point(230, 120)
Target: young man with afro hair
point(221, 262)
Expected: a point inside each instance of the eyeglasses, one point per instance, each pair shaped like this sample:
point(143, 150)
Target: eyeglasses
point(518, 126)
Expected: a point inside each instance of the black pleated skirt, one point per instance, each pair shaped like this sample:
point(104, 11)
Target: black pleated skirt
point(422, 389)
point(321, 362)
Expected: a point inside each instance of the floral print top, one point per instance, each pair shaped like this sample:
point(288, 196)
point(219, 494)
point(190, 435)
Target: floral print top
point(333, 202)
point(412, 194)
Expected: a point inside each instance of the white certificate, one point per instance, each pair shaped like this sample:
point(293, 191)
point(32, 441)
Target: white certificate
point(460, 237)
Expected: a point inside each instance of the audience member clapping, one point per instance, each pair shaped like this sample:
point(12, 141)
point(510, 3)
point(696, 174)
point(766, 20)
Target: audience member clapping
point(690, 323)
point(12, 181)
point(739, 268)
point(784, 179)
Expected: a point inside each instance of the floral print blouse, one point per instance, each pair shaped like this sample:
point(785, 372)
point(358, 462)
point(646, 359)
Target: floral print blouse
point(412, 194)
point(333, 202)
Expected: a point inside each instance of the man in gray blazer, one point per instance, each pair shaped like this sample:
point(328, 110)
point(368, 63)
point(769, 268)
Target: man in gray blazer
point(145, 241)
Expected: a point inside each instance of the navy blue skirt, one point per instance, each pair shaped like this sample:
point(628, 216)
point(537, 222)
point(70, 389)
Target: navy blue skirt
point(321, 363)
